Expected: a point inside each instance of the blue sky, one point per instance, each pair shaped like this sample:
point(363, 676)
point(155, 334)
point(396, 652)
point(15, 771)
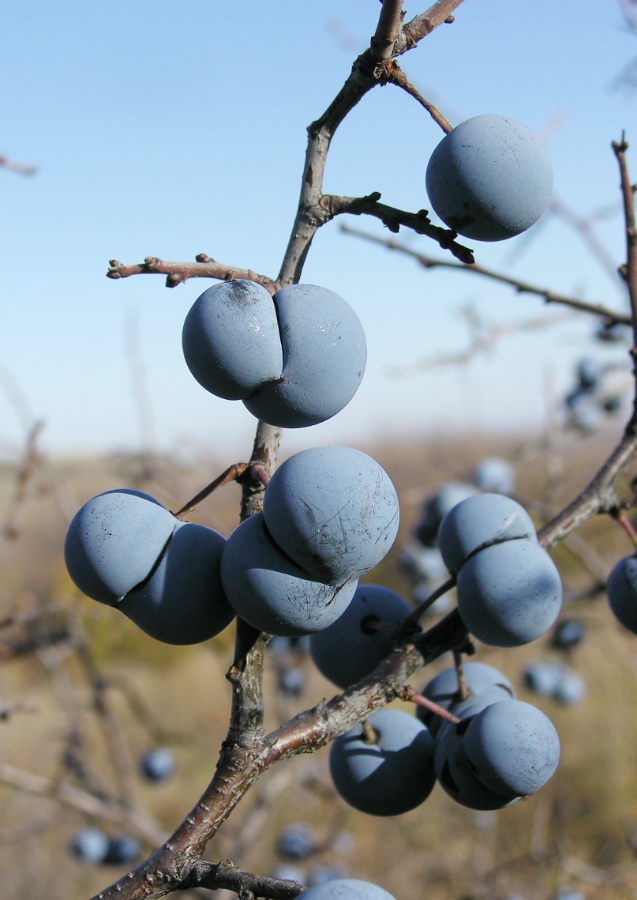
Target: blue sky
point(172, 127)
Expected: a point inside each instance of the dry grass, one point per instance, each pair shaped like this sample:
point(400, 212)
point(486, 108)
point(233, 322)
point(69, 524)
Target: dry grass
point(576, 831)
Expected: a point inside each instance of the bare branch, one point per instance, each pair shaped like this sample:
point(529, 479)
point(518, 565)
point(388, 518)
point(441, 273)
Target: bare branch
point(522, 287)
point(398, 77)
point(583, 226)
point(370, 69)
point(224, 875)
point(387, 30)
point(629, 270)
point(422, 25)
point(481, 343)
point(247, 753)
point(71, 797)
point(178, 272)
point(598, 497)
point(393, 218)
point(20, 168)
point(232, 473)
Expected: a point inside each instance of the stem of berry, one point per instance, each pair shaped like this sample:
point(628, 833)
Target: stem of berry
point(412, 696)
point(463, 693)
point(232, 473)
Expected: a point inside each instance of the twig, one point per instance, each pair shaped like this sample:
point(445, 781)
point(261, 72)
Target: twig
point(583, 226)
point(20, 168)
point(410, 624)
point(629, 270)
point(463, 693)
point(598, 497)
point(627, 525)
point(370, 69)
point(247, 752)
point(31, 460)
point(224, 876)
point(398, 77)
point(522, 287)
point(422, 25)
point(481, 343)
point(232, 473)
point(393, 218)
point(409, 694)
point(178, 272)
point(71, 797)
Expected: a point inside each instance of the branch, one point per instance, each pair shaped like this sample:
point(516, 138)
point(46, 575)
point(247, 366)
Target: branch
point(422, 25)
point(387, 31)
point(242, 761)
point(224, 876)
point(522, 287)
point(583, 226)
point(629, 270)
point(73, 798)
point(482, 343)
point(598, 497)
point(178, 272)
point(20, 168)
point(393, 218)
point(373, 67)
point(398, 77)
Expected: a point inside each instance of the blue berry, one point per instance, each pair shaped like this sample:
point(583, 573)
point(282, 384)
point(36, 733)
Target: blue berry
point(158, 764)
point(479, 522)
point(90, 845)
point(346, 889)
point(350, 648)
point(390, 776)
point(509, 594)
point(296, 841)
point(333, 511)
point(270, 592)
point(622, 592)
point(490, 178)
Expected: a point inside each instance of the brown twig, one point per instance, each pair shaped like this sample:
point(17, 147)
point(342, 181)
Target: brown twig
point(224, 876)
point(629, 270)
point(247, 752)
point(583, 227)
point(411, 624)
point(179, 272)
point(369, 70)
point(463, 693)
point(422, 25)
point(627, 525)
point(398, 77)
point(599, 496)
point(73, 798)
point(480, 344)
point(232, 473)
point(522, 287)
point(409, 694)
point(20, 168)
point(394, 218)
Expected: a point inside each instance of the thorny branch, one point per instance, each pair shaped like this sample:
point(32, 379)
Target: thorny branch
point(247, 751)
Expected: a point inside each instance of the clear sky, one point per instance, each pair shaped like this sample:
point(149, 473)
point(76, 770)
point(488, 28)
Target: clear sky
point(172, 127)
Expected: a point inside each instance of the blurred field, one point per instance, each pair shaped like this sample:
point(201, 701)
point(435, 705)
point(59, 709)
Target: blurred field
point(579, 831)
